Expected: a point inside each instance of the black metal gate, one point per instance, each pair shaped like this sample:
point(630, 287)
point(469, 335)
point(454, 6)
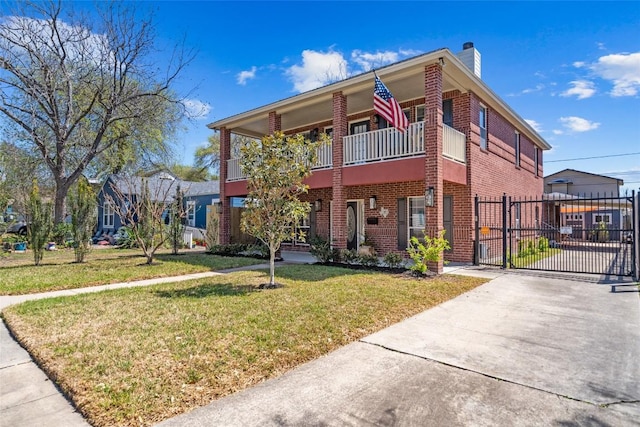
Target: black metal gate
point(559, 232)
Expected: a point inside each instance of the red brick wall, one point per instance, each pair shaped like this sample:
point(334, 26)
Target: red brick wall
point(340, 129)
point(225, 218)
point(493, 171)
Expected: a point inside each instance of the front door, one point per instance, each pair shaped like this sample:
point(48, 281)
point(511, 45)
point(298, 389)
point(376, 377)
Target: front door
point(352, 225)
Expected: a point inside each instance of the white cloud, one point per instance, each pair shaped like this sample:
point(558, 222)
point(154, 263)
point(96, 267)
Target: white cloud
point(368, 61)
point(535, 125)
point(317, 69)
point(577, 124)
point(243, 76)
point(623, 70)
point(579, 64)
point(557, 132)
point(582, 89)
point(195, 109)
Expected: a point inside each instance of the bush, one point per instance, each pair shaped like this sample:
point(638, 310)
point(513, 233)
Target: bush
point(543, 244)
point(125, 238)
point(231, 249)
point(62, 233)
point(257, 249)
point(350, 256)
point(393, 260)
point(429, 251)
point(321, 249)
point(369, 260)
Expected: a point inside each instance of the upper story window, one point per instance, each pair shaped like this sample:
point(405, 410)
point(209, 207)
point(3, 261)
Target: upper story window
point(447, 112)
point(536, 160)
point(420, 113)
point(482, 122)
point(360, 127)
point(517, 147)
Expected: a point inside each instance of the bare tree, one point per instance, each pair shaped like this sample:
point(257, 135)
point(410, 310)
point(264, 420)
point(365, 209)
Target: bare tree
point(75, 89)
point(143, 208)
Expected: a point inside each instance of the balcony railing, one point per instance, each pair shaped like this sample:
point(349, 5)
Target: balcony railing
point(384, 144)
point(454, 144)
point(324, 161)
point(378, 145)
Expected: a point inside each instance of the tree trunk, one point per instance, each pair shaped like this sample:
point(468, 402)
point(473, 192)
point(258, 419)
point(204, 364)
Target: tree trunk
point(62, 188)
point(272, 266)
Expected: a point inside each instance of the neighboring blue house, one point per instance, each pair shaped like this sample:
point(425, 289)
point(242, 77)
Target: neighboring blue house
point(197, 195)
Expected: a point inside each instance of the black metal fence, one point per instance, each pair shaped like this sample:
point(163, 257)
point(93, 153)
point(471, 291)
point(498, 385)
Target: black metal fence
point(558, 232)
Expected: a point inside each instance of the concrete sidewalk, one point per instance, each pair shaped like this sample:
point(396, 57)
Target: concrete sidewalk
point(517, 350)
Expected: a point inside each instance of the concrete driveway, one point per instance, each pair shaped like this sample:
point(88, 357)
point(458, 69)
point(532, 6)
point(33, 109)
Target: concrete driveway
point(519, 350)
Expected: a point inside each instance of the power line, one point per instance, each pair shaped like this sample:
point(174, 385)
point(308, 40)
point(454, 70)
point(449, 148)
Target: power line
point(589, 158)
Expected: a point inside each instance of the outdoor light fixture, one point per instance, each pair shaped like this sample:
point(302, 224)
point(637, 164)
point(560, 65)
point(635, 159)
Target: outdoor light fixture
point(219, 207)
point(441, 61)
point(429, 197)
point(318, 205)
point(372, 202)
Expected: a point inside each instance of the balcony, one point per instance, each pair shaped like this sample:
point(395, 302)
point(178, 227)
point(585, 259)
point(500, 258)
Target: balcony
point(380, 145)
point(324, 161)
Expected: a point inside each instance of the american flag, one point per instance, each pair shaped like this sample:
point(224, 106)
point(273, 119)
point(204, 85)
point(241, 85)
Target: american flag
point(385, 104)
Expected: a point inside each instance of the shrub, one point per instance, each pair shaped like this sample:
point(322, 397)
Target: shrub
point(393, 260)
point(429, 251)
point(368, 259)
point(543, 244)
point(231, 249)
point(350, 256)
point(321, 249)
point(257, 249)
point(532, 249)
point(62, 233)
point(125, 238)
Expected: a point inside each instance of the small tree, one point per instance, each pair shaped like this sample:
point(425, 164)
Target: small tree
point(82, 203)
point(176, 224)
point(275, 169)
point(212, 237)
point(142, 208)
point(39, 223)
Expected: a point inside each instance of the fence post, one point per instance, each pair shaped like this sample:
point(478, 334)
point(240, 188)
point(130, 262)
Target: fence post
point(635, 220)
point(504, 230)
point(476, 244)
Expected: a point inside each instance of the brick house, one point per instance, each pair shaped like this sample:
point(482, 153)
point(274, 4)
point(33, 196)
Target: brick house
point(462, 141)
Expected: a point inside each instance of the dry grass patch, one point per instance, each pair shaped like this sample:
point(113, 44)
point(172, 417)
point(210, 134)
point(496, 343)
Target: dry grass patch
point(138, 356)
point(59, 271)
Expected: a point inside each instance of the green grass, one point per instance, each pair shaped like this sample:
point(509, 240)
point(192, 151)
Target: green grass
point(138, 356)
point(527, 260)
point(59, 271)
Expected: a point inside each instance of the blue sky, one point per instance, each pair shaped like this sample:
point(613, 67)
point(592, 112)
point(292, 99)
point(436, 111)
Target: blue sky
point(572, 69)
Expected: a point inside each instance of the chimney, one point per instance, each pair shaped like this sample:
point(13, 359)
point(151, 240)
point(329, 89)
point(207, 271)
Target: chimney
point(471, 58)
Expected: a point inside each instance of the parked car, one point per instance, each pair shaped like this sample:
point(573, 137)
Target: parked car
point(15, 224)
point(627, 237)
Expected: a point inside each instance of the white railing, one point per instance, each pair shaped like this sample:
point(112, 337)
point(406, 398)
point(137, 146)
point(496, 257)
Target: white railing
point(234, 173)
point(324, 161)
point(454, 144)
point(325, 157)
point(384, 144)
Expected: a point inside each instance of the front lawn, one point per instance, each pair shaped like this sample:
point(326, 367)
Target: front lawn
point(140, 355)
point(529, 259)
point(102, 266)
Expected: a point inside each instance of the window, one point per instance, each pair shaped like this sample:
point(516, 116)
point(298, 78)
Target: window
point(447, 112)
point(108, 215)
point(597, 219)
point(191, 213)
point(420, 113)
point(416, 217)
point(482, 122)
point(304, 226)
point(517, 147)
point(536, 160)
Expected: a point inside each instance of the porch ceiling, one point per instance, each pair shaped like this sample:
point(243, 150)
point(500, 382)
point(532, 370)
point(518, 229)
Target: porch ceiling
point(316, 106)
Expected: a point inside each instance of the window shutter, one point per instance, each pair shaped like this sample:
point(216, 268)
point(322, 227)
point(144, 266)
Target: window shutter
point(402, 224)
